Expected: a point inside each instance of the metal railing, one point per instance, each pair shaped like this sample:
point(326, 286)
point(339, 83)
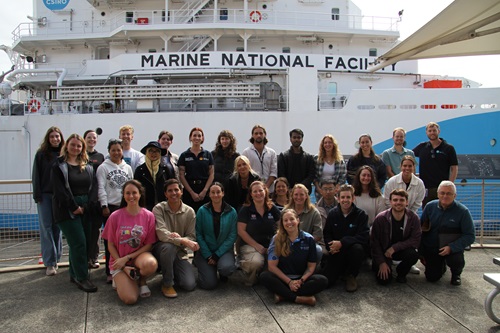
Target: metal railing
point(20, 238)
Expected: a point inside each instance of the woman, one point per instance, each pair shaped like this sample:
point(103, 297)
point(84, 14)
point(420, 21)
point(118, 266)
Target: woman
point(165, 138)
point(50, 234)
point(281, 194)
point(224, 156)
point(95, 219)
point(407, 181)
point(366, 156)
point(152, 174)
point(291, 263)
point(216, 234)
point(112, 174)
point(131, 233)
point(237, 185)
point(74, 186)
point(309, 216)
point(367, 193)
point(256, 226)
point(196, 171)
point(329, 164)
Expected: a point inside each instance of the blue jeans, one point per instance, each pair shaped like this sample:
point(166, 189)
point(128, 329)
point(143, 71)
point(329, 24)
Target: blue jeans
point(50, 234)
point(207, 274)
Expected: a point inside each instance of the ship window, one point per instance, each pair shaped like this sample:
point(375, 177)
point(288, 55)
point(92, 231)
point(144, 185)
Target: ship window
point(372, 52)
point(152, 50)
point(428, 106)
point(286, 49)
point(488, 106)
point(163, 16)
point(387, 107)
point(129, 17)
point(223, 14)
point(240, 49)
point(448, 106)
point(366, 107)
point(468, 106)
point(335, 14)
point(408, 107)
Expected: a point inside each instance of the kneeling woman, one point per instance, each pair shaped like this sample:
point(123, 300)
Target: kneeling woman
point(216, 234)
point(291, 263)
point(131, 233)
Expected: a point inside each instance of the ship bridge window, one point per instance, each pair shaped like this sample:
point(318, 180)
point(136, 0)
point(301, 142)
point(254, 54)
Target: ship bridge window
point(129, 17)
point(224, 14)
point(408, 107)
point(286, 49)
point(335, 14)
point(372, 52)
point(449, 106)
point(428, 106)
point(387, 107)
point(366, 107)
point(468, 106)
point(488, 106)
point(240, 49)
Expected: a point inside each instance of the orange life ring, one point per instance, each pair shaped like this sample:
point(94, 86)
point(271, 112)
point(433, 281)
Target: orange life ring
point(255, 16)
point(34, 105)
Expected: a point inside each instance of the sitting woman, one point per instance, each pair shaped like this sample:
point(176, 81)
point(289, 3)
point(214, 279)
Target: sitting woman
point(237, 185)
point(216, 234)
point(367, 193)
point(131, 233)
point(281, 193)
point(256, 226)
point(291, 263)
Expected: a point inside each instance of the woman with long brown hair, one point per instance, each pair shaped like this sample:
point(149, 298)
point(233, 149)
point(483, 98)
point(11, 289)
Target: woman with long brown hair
point(367, 193)
point(292, 262)
point(224, 155)
point(366, 156)
point(330, 164)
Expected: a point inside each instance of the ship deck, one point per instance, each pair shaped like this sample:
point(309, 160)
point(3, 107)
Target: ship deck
point(32, 302)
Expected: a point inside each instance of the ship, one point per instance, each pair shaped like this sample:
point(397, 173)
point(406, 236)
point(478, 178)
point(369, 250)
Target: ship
point(227, 64)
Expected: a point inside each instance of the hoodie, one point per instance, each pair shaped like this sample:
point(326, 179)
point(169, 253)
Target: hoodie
point(110, 180)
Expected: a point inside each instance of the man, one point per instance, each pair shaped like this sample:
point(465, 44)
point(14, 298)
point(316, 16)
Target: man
point(175, 228)
point(262, 158)
point(328, 200)
point(395, 235)
point(296, 165)
point(346, 236)
point(438, 161)
point(131, 156)
point(392, 157)
point(447, 229)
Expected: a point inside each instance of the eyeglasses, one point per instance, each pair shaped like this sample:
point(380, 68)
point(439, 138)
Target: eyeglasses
point(328, 189)
point(114, 141)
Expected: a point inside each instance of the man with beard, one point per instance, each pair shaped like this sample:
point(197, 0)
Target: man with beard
point(438, 162)
point(392, 157)
point(262, 158)
point(296, 165)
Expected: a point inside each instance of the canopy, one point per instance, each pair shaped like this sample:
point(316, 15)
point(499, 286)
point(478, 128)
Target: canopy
point(464, 28)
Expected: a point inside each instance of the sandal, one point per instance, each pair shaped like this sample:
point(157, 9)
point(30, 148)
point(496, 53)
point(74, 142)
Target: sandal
point(113, 284)
point(144, 291)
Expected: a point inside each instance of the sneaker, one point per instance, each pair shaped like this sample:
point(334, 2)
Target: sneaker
point(467, 248)
point(51, 271)
point(350, 283)
point(455, 280)
point(168, 292)
point(414, 270)
point(94, 264)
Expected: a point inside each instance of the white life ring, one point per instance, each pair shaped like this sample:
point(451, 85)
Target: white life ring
point(34, 105)
point(255, 16)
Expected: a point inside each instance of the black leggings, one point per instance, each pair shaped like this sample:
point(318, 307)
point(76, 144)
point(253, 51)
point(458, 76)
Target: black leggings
point(312, 286)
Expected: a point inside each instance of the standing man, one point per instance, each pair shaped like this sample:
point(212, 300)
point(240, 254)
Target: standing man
point(328, 201)
point(438, 162)
point(395, 235)
point(175, 228)
point(296, 165)
point(346, 237)
point(392, 157)
point(262, 158)
point(447, 229)
point(131, 156)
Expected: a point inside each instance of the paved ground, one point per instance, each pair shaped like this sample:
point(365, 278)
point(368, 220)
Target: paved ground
point(31, 302)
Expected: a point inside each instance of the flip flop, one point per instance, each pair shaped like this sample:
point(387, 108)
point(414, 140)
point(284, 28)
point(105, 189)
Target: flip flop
point(144, 291)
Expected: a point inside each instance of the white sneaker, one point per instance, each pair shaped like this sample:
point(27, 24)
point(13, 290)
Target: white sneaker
point(414, 270)
point(51, 271)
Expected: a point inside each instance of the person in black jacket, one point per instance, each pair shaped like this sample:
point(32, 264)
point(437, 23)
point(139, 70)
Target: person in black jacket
point(74, 186)
point(346, 237)
point(153, 174)
point(224, 156)
point(237, 185)
point(50, 234)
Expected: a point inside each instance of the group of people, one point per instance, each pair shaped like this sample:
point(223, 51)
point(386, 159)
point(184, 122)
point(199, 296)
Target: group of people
point(156, 206)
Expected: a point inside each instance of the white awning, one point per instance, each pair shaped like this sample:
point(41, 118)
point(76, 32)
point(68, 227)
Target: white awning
point(464, 28)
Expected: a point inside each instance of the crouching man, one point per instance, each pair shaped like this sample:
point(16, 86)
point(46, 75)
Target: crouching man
point(395, 235)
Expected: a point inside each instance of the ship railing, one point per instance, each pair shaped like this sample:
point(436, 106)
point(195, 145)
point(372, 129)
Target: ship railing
point(328, 101)
point(143, 20)
point(20, 236)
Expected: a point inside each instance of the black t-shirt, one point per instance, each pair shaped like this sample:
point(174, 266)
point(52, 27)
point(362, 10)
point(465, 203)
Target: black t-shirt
point(260, 228)
point(196, 166)
point(79, 181)
point(435, 163)
point(397, 230)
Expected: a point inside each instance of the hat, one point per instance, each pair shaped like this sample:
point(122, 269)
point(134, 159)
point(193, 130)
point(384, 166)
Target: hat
point(154, 144)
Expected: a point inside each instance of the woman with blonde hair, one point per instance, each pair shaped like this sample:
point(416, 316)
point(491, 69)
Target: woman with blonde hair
point(256, 226)
point(329, 164)
point(237, 185)
point(74, 186)
point(292, 262)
